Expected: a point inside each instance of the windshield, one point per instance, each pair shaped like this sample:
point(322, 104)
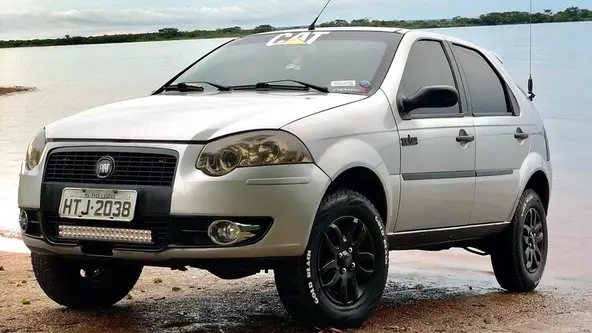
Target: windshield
point(343, 61)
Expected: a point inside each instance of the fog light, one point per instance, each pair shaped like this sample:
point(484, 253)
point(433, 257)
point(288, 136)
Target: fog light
point(224, 232)
point(23, 220)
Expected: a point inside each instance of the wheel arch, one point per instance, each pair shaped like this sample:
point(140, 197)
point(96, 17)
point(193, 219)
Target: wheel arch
point(366, 182)
point(539, 183)
point(361, 169)
point(536, 174)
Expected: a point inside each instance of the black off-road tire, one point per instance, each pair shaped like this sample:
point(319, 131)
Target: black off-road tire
point(299, 285)
point(62, 281)
point(507, 257)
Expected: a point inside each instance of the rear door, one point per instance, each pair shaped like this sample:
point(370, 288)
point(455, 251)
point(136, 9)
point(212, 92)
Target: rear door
point(502, 136)
point(437, 147)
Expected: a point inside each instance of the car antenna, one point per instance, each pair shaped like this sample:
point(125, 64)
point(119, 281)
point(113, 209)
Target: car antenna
point(531, 95)
point(312, 25)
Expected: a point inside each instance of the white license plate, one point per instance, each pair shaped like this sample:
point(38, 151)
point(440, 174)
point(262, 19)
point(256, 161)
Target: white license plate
point(98, 204)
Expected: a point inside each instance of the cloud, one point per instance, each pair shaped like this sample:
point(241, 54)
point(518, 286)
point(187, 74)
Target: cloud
point(36, 21)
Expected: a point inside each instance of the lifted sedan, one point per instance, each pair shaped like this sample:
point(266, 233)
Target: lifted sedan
point(312, 153)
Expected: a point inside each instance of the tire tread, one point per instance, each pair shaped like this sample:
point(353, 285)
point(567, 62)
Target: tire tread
point(56, 278)
point(506, 256)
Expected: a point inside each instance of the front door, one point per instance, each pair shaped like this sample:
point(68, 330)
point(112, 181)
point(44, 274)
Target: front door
point(437, 148)
point(502, 136)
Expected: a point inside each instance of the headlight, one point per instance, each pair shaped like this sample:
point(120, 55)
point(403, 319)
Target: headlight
point(35, 150)
point(251, 149)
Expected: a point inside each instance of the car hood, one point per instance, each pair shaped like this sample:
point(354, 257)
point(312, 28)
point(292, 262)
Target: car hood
point(196, 116)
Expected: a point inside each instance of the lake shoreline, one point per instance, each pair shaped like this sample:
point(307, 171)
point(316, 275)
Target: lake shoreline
point(14, 89)
point(570, 14)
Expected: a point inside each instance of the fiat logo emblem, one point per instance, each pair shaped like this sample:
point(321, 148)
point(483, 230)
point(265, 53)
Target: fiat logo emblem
point(105, 167)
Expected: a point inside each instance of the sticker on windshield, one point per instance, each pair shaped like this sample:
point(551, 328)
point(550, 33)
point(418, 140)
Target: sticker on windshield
point(293, 67)
point(365, 84)
point(348, 90)
point(349, 83)
point(303, 38)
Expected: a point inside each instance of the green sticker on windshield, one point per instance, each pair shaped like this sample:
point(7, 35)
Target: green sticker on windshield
point(303, 38)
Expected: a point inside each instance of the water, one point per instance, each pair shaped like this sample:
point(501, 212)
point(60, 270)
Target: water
point(73, 78)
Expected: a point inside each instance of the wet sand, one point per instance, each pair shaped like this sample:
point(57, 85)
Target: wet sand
point(422, 295)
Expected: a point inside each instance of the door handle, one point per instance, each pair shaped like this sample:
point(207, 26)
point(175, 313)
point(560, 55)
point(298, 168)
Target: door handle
point(520, 135)
point(463, 136)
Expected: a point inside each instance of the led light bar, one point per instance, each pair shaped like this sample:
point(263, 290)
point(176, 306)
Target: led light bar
point(105, 234)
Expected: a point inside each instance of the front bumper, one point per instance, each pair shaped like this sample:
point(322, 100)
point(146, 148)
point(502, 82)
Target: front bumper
point(283, 199)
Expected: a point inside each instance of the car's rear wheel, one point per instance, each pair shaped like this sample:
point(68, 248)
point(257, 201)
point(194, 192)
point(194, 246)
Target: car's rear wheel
point(79, 284)
point(340, 279)
point(520, 255)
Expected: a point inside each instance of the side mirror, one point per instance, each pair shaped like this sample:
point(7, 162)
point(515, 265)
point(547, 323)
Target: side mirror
point(438, 96)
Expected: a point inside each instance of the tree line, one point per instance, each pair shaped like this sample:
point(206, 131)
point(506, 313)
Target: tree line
point(570, 14)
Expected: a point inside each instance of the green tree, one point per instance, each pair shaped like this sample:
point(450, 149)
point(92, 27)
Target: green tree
point(169, 32)
point(230, 30)
point(365, 22)
point(263, 28)
point(336, 23)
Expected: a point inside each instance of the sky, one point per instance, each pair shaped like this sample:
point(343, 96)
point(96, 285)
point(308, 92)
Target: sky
point(27, 19)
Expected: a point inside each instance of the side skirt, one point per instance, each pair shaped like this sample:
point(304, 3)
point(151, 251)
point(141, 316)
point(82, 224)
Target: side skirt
point(446, 238)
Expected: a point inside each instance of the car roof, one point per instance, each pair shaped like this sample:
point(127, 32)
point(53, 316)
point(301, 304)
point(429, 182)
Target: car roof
point(350, 28)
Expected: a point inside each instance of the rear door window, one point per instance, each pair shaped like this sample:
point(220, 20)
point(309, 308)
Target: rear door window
point(486, 90)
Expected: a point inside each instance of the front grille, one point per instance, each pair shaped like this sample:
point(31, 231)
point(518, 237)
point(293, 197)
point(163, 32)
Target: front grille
point(131, 168)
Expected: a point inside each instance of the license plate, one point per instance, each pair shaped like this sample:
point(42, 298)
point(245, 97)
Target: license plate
point(98, 204)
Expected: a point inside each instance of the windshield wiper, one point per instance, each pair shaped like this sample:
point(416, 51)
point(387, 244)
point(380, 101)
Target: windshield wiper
point(195, 86)
point(269, 85)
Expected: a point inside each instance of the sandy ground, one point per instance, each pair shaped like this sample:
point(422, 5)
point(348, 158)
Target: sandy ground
point(418, 298)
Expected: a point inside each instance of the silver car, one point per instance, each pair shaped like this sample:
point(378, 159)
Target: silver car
point(309, 152)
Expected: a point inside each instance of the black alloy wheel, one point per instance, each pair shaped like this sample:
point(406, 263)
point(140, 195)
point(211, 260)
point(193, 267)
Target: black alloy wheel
point(346, 261)
point(533, 240)
point(519, 253)
point(339, 280)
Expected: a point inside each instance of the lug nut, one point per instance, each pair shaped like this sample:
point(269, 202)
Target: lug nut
point(353, 265)
point(343, 271)
point(350, 250)
point(340, 255)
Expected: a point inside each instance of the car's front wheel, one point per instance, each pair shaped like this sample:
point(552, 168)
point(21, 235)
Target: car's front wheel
point(339, 280)
point(81, 284)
